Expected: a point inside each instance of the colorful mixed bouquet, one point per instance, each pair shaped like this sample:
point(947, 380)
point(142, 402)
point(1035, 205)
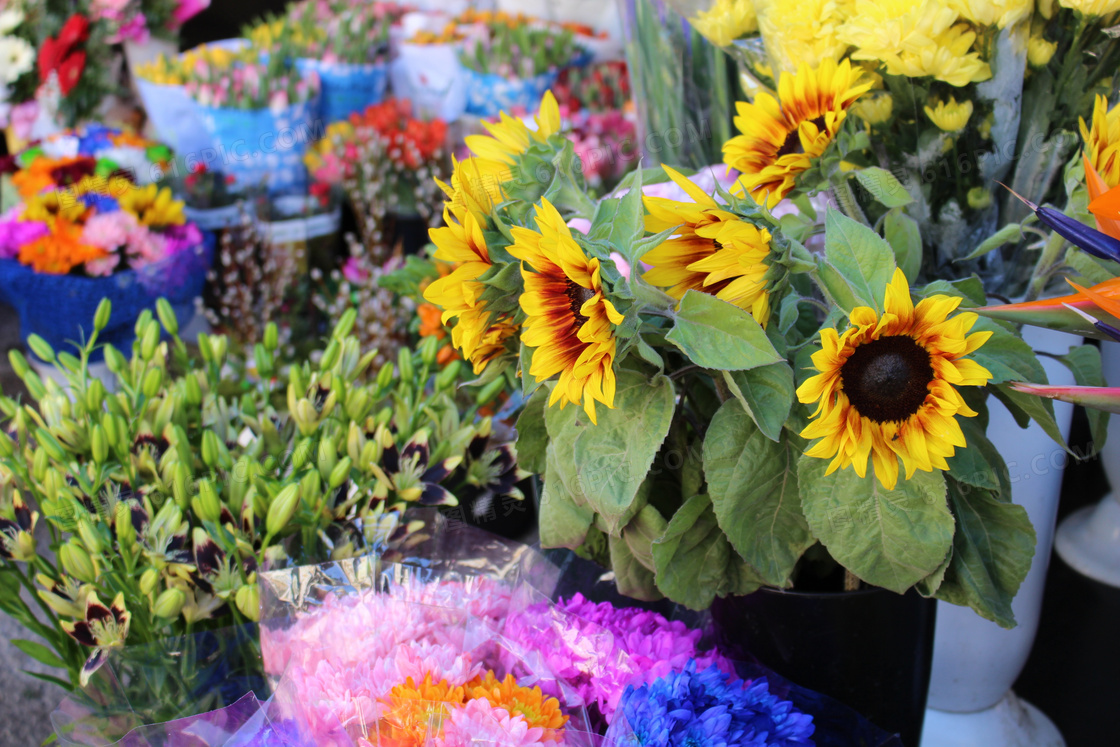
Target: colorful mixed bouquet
point(139, 20)
point(332, 31)
point(89, 206)
point(517, 48)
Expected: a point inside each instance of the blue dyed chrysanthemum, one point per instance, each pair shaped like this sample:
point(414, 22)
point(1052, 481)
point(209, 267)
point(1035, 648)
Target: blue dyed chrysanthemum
point(710, 709)
point(102, 203)
point(94, 138)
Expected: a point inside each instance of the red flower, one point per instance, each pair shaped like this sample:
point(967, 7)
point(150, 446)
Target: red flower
point(73, 171)
point(74, 32)
point(70, 72)
point(60, 54)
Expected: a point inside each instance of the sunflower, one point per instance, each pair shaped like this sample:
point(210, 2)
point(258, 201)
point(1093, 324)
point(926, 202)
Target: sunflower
point(510, 137)
point(569, 319)
point(781, 137)
point(476, 184)
point(1102, 141)
point(47, 206)
point(529, 703)
point(153, 206)
point(713, 251)
point(886, 386)
point(462, 244)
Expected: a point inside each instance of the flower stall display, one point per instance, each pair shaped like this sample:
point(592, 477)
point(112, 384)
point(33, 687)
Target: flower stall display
point(18, 56)
point(138, 21)
point(91, 224)
point(345, 43)
point(211, 198)
point(161, 521)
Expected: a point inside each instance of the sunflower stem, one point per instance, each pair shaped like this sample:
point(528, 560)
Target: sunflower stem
point(846, 198)
point(851, 581)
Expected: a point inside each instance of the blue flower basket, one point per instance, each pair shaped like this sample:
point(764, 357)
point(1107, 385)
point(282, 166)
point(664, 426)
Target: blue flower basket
point(347, 89)
point(60, 308)
point(264, 147)
point(489, 94)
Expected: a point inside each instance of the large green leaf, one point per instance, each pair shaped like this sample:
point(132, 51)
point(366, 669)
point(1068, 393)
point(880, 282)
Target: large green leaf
point(633, 579)
point(902, 233)
point(884, 187)
point(716, 334)
point(611, 460)
point(980, 464)
point(532, 435)
point(642, 531)
point(992, 553)
point(1006, 356)
point(766, 393)
point(857, 266)
point(563, 522)
point(754, 493)
point(628, 224)
point(694, 562)
point(888, 538)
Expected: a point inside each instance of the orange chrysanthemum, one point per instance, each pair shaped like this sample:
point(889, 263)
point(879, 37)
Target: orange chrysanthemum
point(60, 251)
point(529, 703)
point(413, 711)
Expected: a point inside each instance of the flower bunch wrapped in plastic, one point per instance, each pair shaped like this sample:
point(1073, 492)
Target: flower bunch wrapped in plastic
point(89, 205)
point(333, 31)
point(138, 20)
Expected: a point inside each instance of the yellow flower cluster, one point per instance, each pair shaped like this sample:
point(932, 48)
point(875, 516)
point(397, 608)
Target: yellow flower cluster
point(949, 116)
point(725, 21)
point(915, 38)
point(802, 33)
point(174, 71)
point(1092, 7)
point(1000, 13)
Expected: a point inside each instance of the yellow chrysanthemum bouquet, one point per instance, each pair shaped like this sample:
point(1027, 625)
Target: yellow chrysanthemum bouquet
point(715, 408)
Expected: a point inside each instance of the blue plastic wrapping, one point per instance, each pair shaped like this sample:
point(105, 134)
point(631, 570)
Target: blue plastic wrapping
point(488, 94)
point(264, 147)
point(60, 308)
point(176, 117)
point(347, 89)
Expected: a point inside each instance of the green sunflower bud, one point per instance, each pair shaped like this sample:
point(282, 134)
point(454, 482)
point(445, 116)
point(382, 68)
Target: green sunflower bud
point(271, 337)
point(101, 316)
point(169, 604)
point(282, 509)
point(167, 316)
point(148, 581)
point(99, 444)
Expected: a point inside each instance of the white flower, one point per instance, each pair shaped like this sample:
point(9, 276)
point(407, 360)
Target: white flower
point(16, 57)
point(10, 19)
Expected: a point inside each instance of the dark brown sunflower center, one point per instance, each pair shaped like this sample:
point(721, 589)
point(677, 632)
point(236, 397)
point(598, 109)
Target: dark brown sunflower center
point(792, 142)
point(577, 297)
point(887, 380)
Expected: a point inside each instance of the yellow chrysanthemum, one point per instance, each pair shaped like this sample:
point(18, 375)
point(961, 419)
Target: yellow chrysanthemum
point(462, 244)
point(949, 116)
point(780, 138)
point(529, 703)
point(1040, 51)
point(886, 386)
point(47, 206)
point(802, 33)
point(1102, 141)
point(476, 184)
point(1001, 13)
point(569, 320)
point(874, 109)
point(511, 137)
point(713, 251)
point(916, 39)
point(725, 21)
point(1092, 7)
point(153, 206)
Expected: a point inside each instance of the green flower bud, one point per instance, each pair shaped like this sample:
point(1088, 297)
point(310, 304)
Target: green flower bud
point(219, 344)
point(77, 562)
point(302, 454)
point(148, 580)
point(357, 403)
point(296, 382)
point(181, 485)
point(404, 364)
point(263, 359)
point(214, 452)
point(152, 381)
point(95, 395)
point(490, 391)
point(371, 455)
point(271, 337)
point(69, 362)
point(355, 441)
point(7, 445)
point(149, 341)
point(34, 385)
point(385, 376)
point(192, 390)
point(101, 316)
point(328, 457)
point(310, 487)
point(449, 375)
point(429, 349)
point(90, 537)
point(282, 509)
point(40, 465)
point(49, 444)
point(99, 444)
point(330, 355)
point(19, 363)
point(142, 322)
point(345, 324)
point(167, 316)
point(206, 504)
point(170, 603)
point(340, 472)
point(115, 361)
point(384, 415)
point(248, 601)
point(41, 348)
point(122, 522)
